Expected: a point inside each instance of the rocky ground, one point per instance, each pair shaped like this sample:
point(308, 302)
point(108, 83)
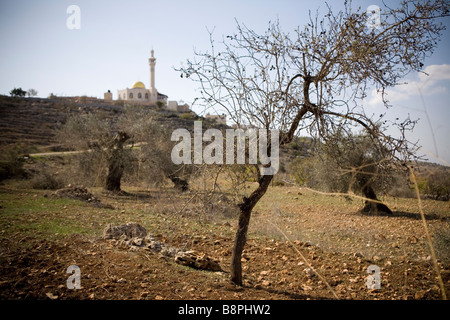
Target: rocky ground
point(305, 248)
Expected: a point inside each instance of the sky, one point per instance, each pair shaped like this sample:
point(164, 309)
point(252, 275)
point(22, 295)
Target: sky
point(111, 48)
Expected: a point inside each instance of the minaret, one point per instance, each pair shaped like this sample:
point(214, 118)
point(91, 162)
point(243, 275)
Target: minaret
point(152, 62)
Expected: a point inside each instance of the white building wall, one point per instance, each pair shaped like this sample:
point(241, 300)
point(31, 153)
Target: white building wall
point(172, 105)
point(125, 95)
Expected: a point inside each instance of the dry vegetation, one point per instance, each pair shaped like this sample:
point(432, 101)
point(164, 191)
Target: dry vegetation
point(272, 239)
point(302, 245)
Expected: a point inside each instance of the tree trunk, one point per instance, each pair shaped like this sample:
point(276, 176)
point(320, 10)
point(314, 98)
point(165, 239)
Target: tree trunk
point(373, 207)
point(115, 172)
point(180, 184)
point(116, 164)
point(246, 208)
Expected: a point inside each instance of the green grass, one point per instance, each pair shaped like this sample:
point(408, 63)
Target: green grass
point(29, 212)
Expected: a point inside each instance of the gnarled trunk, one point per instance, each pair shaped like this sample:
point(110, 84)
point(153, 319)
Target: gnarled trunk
point(373, 207)
point(180, 184)
point(116, 162)
point(246, 208)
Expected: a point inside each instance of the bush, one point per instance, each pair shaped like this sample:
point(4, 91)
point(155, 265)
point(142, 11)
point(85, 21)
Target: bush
point(11, 162)
point(17, 92)
point(45, 181)
point(438, 185)
point(442, 244)
point(188, 116)
point(401, 187)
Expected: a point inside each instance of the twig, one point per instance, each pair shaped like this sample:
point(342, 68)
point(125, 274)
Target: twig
point(347, 194)
point(427, 233)
point(186, 204)
point(306, 261)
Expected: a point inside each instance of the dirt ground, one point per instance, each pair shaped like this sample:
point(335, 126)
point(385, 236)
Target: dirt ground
point(302, 246)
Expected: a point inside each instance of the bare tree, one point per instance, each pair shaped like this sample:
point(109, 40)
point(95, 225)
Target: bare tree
point(314, 79)
point(32, 93)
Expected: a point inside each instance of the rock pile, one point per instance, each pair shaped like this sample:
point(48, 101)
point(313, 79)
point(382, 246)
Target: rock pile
point(135, 237)
point(79, 193)
point(125, 231)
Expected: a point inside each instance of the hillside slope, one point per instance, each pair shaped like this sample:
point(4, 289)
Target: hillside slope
point(33, 121)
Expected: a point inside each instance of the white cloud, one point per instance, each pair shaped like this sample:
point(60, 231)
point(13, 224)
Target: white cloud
point(426, 84)
point(436, 72)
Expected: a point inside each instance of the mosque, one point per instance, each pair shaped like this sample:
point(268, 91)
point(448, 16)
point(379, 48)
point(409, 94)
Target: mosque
point(140, 95)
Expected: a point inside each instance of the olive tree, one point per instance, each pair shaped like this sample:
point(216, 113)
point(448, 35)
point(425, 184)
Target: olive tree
point(100, 147)
point(129, 144)
point(314, 79)
point(153, 153)
point(350, 162)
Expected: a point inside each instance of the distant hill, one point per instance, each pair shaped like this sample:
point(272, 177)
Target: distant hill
point(33, 121)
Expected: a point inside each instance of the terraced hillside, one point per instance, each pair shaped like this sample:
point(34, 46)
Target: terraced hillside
point(32, 121)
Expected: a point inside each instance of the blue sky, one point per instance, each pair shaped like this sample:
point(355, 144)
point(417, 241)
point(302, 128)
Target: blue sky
point(111, 50)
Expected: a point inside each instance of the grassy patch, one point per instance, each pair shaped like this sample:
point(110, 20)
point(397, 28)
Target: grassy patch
point(45, 217)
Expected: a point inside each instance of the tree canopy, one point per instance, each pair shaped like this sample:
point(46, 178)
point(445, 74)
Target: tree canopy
point(316, 78)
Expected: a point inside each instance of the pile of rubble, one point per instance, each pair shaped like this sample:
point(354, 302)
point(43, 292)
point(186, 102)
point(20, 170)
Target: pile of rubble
point(135, 237)
point(79, 193)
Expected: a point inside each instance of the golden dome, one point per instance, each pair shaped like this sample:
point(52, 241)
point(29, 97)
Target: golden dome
point(138, 84)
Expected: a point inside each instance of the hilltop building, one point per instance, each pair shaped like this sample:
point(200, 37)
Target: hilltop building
point(108, 96)
point(178, 106)
point(220, 119)
point(141, 95)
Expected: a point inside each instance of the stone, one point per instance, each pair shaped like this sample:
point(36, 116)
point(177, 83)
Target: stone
point(420, 295)
point(196, 260)
point(138, 242)
point(309, 272)
point(169, 251)
point(129, 230)
point(306, 288)
point(51, 296)
point(186, 258)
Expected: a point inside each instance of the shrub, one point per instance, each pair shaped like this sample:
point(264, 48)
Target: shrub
point(438, 185)
point(11, 162)
point(17, 92)
point(187, 116)
point(442, 244)
point(46, 181)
